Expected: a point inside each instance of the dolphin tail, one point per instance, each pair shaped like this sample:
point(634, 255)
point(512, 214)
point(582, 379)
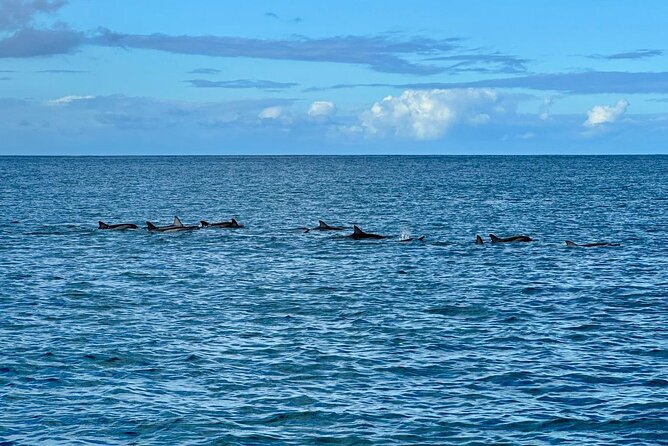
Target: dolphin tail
point(570, 243)
point(421, 238)
point(306, 230)
point(150, 226)
point(102, 225)
point(494, 238)
point(204, 223)
point(478, 240)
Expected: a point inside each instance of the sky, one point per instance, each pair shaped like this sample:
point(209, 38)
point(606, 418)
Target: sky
point(127, 77)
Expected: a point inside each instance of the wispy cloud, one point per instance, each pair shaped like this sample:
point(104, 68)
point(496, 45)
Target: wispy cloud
point(381, 53)
point(484, 63)
point(642, 53)
point(61, 71)
point(204, 71)
point(275, 16)
point(65, 100)
point(241, 83)
point(588, 82)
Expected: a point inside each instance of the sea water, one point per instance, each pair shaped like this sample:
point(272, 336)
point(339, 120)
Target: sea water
point(268, 335)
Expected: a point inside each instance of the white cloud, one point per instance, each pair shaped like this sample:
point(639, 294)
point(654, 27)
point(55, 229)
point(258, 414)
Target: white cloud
point(606, 114)
point(68, 99)
point(271, 113)
point(479, 119)
point(545, 108)
point(321, 109)
point(428, 114)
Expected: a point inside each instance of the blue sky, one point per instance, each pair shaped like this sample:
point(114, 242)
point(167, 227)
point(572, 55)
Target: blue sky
point(271, 77)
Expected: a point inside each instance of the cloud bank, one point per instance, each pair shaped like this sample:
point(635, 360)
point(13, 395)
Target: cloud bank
point(19, 37)
point(427, 114)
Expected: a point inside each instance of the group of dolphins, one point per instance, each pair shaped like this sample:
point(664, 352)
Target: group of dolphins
point(174, 227)
point(357, 234)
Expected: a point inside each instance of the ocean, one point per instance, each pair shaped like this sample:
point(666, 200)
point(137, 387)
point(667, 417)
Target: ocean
point(268, 335)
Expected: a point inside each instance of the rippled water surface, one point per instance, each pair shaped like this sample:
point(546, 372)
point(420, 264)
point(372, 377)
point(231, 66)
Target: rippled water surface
point(269, 335)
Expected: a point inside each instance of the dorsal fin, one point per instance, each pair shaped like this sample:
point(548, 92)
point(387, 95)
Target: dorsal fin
point(570, 243)
point(234, 222)
point(102, 225)
point(494, 238)
point(322, 224)
point(478, 240)
point(177, 222)
point(357, 230)
point(204, 223)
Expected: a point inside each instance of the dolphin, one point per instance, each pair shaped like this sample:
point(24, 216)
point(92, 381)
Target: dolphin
point(571, 244)
point(117, 227)
point(322, 226)
point(410, 239)
point(175, 226)
point(223, 224)
point(359, 234)
point(515, 238)
point(478, 240)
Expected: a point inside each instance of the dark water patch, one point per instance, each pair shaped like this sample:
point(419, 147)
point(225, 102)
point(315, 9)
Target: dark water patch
point(456, 310)
point(584, 327)
point(657, 382)
point(289, 417)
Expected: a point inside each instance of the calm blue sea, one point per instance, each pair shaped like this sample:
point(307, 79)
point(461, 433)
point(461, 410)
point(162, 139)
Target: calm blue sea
point(267, 335)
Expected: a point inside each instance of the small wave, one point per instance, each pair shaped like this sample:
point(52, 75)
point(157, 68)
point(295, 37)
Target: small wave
point(287, 417)
point(454, 310)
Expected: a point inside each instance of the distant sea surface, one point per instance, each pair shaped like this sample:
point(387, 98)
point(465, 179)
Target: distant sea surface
point(267, 335)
